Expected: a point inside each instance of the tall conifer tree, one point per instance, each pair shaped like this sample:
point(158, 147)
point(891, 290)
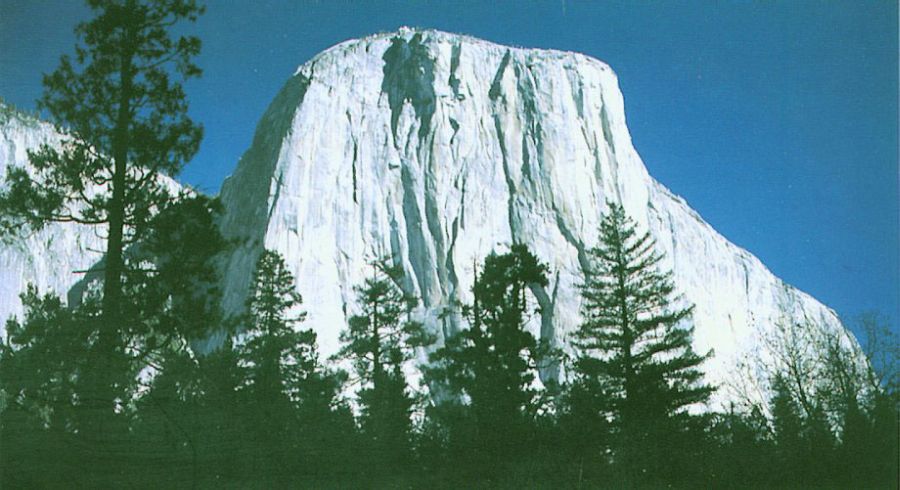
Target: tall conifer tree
point(125, 117)
point(289, 390)
point(124, 112)
point(491, 366)
point(635, 339)
point(379, 341)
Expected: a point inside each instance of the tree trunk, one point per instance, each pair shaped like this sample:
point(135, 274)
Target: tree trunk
point(112, 281)
point(101, 430)
point(377, 368)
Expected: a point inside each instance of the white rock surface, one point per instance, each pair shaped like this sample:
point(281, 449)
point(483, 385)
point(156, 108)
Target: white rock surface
point(61, 258)
point(439, 148)
point(50, 258)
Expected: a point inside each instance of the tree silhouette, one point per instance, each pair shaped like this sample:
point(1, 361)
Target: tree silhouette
point(491, 367)
point(126, 124)
point(636, 341)
point(379, 341)
point(288, 389)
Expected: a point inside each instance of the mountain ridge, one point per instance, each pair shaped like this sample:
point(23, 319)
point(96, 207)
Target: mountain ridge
point(437, 148)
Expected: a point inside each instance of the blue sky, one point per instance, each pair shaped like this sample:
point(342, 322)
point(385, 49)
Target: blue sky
point(776, 120)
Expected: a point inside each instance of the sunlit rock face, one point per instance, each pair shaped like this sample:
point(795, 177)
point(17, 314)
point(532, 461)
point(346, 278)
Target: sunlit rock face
point(437, 149)
point(53, 259)
point(64, 259)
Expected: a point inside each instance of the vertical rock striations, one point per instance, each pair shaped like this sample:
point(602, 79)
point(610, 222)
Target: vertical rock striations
point(438, 148)
point(54, 258)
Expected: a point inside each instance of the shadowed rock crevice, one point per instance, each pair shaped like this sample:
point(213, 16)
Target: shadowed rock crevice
point(454, 64)
point(522, 146)
point(409, 77)
point(417, 245)
point(499, 108)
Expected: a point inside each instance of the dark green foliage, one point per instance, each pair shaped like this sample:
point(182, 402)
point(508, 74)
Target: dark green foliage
point(586, 429)
point(173, 301)
point(882, 443)
point(275, 355)
point(181, 245)
point(787, 426)
point(48, 425)
point(126, 125)
point(49, 364)
point(635, 344)
point(172, 285)
point(493, 363)
point(263, 411)
point(487, 371)
point(741, 452)
point(829, 426)
point(634, 335)
point(379, 342)
point(290, 395)
point(873, 440)
point(126, 118)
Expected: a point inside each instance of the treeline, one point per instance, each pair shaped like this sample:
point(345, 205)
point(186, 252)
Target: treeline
point(122, 389)
point(265, 410)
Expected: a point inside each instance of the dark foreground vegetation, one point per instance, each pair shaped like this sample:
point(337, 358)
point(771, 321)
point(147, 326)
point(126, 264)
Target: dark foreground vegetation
point(144, 383)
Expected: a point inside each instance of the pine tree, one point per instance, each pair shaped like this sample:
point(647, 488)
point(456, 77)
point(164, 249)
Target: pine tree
point(379, 342)
point(45, 367)
point(283, 376)
point(636, 341)
point(492, 365)
point(177, 300)
point(274, 353)
point(125, 120)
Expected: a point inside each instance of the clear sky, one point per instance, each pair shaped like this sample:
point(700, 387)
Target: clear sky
point(776, 120)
